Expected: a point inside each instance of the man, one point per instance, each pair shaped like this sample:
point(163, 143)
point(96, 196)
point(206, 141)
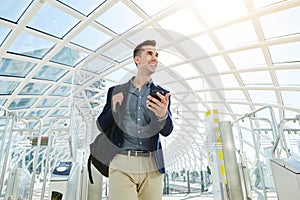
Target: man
point(136, 171)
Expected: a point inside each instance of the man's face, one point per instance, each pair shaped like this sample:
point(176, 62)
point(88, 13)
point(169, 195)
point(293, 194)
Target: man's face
point(148, 59)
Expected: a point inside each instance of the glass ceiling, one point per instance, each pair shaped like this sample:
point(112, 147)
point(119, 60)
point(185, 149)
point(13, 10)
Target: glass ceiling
point(227, 55)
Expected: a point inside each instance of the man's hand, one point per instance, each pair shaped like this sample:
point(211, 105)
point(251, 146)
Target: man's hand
point(117, 99)
point(160, 108)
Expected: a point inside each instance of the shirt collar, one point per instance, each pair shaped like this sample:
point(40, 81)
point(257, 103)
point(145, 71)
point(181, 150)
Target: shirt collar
point(148, 84)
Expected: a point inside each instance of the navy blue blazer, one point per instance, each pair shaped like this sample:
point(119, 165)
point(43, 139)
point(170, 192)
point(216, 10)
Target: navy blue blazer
point(108, 117)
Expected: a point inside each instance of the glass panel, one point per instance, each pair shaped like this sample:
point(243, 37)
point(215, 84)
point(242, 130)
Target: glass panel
point(248, 58)
point(240, 109)
point(61, 91)
point(127, 21)
point(3, 33)
point(178, 22)
point(35, 88)
point(196, 84)
point(9, 67)
point(20, 114)
point(59, 113)
point(8, 87)
point(84, 38)
point(117, 75)
point(256, 78)
point(38, 113)
point(151, 8)
point(288, 52)
point(290, 114)
point(260, 3)
point(227, 81)
point(161, 77)
point(68, 56)
point(193, 49)
point(216, 11)
point(50, 73)
point(97, 65)
point(213, 65)
point(23, 103)
point(286, 23)
point(2, 101)
point(148, 32)
point(288, 77)
point(52, 21)
point(13, 9)
point(85, 7)
point(119, 52)
point(185, 71)
point(48, 103)
point(291, 98)
point(206, 43)
point(79, 78)
point(169, 58)
point(234, 95)
point(262, 96)
point(237, 34)
point(32, 46)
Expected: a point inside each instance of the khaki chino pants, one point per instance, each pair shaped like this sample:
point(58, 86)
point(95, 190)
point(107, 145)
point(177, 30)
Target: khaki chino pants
point(134, 178)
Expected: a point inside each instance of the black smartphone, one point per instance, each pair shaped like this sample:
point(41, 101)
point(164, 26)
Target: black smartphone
point(154, 93)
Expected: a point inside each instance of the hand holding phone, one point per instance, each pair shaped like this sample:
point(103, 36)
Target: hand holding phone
point(154, 94)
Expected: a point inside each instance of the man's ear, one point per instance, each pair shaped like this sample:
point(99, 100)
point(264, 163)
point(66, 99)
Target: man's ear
point(137, 60)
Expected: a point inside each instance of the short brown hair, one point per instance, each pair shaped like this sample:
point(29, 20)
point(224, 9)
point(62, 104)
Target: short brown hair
point(139, 48)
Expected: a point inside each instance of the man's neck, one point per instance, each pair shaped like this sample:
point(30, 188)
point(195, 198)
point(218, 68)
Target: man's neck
point(139, 81)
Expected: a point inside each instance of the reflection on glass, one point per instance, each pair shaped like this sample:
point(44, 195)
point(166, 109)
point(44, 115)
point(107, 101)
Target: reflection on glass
point(23, 103)
point(85, 7)
point(291, 98)
point(261, 78)
point(79, 78)
point(59, 113)
point(288, 77)
point(53, 21)
point(287, 23)
point(29, 45)
point(13, 9)
point(68, 56)
point(35, 88)
point(90, 94)
point(151, 8)
point(288, 52)
point(2, 101)
point(20, 114)
point(84, 38)
point(248, 58)
point(127, 21)
point(119, 52)
point(48, 103)
point(97, 65)
point(50, 73)
point(262, 96)
point(38, 113)
point(7, 87)
point(9, 67)
point(61, 91)
point(3, 33)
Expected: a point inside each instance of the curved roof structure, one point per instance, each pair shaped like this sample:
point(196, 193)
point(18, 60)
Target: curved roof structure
point(232, 56)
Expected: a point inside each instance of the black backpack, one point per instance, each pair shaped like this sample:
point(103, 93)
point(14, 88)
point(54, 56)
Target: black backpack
point(102, 151)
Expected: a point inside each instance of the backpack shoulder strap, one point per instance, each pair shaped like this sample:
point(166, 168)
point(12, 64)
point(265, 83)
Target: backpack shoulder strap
point(89, 169)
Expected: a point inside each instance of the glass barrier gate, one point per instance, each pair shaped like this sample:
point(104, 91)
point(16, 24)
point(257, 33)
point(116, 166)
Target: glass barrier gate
point(43, 161)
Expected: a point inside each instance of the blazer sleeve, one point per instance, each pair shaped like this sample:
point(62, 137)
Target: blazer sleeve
point(168, 123)
point(105, 119)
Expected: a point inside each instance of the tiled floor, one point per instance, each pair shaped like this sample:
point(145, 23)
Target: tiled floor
point(188, 197)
